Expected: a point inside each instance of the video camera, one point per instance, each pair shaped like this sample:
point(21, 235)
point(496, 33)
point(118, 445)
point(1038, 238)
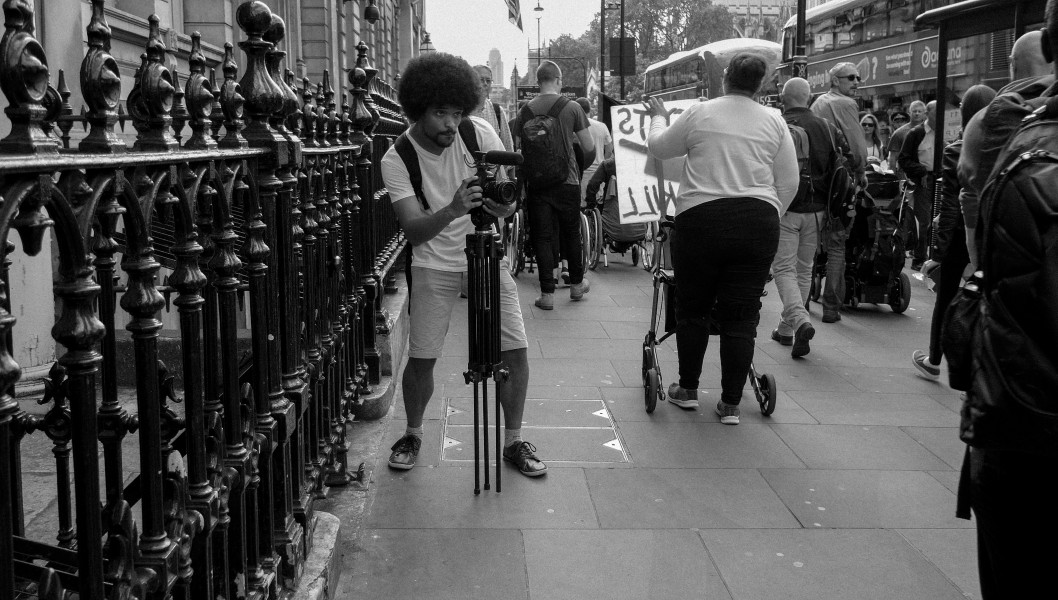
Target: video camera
point(501, 192)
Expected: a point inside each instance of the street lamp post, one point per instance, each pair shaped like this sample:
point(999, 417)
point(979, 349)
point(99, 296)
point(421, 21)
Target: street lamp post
point(800, 58)
point(602, 47)
point(621, 62)
point(539, 13)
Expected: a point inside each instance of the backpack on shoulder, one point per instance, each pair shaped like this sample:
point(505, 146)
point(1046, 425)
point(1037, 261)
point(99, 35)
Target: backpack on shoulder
point(406, 152)
point(804, 164)
point(999, 342)
point(544, 146)
point(841, 189)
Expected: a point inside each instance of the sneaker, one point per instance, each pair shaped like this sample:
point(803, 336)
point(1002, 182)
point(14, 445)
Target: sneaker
point(545, 301)
point(521, 454)
point(577, 290)
point(564, 277)
point(925, 368)
point(785, 340)
point(831, 316)
point(681, 397)
point(729, 413)
point(801, 338)
point(405, 451)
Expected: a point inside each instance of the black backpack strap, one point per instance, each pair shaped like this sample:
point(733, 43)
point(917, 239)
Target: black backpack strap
point(406, 152)
point(556, 108)
point(499, 114)
point(469, 135)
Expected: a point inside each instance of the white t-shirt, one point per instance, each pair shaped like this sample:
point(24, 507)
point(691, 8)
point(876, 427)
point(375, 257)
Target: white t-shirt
point(600, 136)
point(441, 177)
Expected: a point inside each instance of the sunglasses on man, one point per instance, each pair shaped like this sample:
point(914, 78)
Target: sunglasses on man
point(853, 77)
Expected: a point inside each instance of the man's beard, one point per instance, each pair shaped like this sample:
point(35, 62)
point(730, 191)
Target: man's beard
point(443, 139)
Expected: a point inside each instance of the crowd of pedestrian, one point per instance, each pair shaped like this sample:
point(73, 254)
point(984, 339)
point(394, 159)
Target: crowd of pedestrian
point(757, 201)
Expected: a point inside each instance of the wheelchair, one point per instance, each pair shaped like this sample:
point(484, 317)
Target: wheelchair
point(598, 240)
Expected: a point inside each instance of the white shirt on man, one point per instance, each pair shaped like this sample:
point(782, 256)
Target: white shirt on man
point(441, 177)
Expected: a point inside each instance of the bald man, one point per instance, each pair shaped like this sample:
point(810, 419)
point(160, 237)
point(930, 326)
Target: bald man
point(799, 226)
point(987, 132)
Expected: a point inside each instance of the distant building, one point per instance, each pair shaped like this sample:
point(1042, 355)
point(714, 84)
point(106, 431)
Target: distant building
point(496, 64)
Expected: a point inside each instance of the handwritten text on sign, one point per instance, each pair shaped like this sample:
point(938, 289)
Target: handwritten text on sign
point(638, 195)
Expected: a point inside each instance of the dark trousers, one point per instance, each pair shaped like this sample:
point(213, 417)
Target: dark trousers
point(955, 261)
point(722, 252)
point(558, 205)
point(1013, 495)
point(923, 214)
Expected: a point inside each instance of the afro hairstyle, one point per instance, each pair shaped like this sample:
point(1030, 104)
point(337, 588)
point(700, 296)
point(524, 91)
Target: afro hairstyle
point(438, 79)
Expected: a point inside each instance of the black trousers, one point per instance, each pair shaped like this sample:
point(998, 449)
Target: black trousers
point(558, 205)
point(923, 214)
point(955, 261)
point(722, 252)
point(1013, 497)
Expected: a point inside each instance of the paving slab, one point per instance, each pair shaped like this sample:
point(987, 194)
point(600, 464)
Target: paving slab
point(856, 447)
point(543, 412)
point(556, 446)
point(579, 565)
point(864, 499)
point(444, 498)
point(628, 404)
point(824, 565)
point(889, 380)
point(645, 498)
point(431, 563)
point(874, 408)
point(706, 446)
point(942, 441)
point(544, 391)
point(953, 551)
point(573, 372)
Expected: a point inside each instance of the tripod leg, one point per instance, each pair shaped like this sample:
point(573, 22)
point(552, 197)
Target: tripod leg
point(485, 426)
point(477, 463)
point(499, 455)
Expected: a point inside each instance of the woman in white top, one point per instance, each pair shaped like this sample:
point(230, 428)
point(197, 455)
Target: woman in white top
point(869, 125)
point(739, 177)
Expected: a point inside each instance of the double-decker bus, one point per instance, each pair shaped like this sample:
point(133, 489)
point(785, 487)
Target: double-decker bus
point(896, 63)
point(699, 73)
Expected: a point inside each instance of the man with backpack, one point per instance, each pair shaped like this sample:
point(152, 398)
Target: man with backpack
point(433, 188)
point(1010, 416)
point(799, 227)
point(547, 127)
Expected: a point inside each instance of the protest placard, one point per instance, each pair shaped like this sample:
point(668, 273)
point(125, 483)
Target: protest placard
point(639, 195)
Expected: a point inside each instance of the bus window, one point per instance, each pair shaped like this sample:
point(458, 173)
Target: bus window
point(823, 36)
point(789, 40)
point(901, 17)
point(875, 20)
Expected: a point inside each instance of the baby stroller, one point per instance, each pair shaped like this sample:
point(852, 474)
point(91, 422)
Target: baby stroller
point(879, 234)
point(610, 235)
point(663, 317)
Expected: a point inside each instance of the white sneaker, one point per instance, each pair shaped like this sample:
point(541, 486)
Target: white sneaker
point(577, 290)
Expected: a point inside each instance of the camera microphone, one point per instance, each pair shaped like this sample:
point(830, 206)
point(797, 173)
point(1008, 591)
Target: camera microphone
point(499, 157)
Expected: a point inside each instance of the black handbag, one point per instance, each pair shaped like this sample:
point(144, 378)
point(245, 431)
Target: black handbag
point(961, 322)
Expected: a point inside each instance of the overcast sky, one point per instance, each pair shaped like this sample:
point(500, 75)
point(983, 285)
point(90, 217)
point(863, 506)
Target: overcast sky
point(471, 28)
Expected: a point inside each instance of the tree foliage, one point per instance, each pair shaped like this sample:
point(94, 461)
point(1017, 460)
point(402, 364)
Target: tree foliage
point(660, 27)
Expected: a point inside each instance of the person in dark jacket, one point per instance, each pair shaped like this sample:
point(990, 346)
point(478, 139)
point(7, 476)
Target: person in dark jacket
point(916, 161)
point(950, 246)
point(1010, 417)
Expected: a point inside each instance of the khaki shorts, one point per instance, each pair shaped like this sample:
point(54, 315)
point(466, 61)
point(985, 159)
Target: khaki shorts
point(433, 296)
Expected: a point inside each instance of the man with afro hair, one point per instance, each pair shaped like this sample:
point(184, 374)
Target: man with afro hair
point(437, 92)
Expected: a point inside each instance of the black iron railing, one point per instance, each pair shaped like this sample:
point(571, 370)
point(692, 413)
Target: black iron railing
point(245, 187)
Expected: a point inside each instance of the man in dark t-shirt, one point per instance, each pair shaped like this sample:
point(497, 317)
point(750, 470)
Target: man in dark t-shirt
point(559, 203)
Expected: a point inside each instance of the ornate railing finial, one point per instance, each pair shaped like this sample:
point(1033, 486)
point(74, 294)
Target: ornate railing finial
point(24, 80)
point(101, 87)
point(231, 100)
point(275, 34)
point(199, 98)
point(370, 73)
point(263, 95)
point(151, 100)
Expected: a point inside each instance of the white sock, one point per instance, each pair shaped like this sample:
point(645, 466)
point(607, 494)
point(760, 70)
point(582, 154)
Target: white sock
point(416, 431)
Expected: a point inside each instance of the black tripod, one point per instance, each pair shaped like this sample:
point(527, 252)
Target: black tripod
point(484, 252)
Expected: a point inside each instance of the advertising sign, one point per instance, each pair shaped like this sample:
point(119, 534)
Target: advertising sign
point(528, 92)
point(900, 63)
point(638, 175)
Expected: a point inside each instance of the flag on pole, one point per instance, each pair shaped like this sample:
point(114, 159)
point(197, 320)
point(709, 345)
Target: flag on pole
point(514, 13)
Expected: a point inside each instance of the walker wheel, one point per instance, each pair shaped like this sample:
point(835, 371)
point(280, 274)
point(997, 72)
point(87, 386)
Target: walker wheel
point(652, 389)
point(901, 294)
point(766, 392)
point(635, 255)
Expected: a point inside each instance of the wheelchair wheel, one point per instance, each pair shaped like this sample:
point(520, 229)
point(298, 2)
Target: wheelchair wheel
point(594, 241)
point(650, 246)
point(766, 392)
point(901, 294)
point(512, 244)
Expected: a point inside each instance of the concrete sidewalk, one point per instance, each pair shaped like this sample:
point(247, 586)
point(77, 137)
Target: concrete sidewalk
point(847, 491)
